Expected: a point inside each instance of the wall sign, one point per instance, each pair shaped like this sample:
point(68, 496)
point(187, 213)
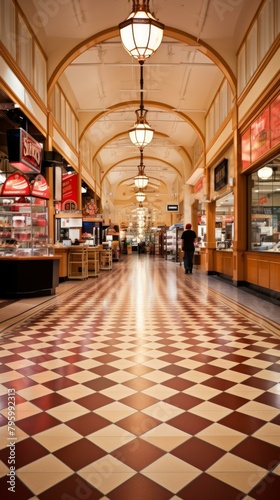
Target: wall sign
point(221, 175)
point(172, 208)
point(25, 154)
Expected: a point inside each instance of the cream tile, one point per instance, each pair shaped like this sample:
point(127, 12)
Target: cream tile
point(210, 411)
point(155, 364)
point(106, 473)
point(31, 354)
point(57, 437)
point(242, 481)
point(159, 391)
point(55, 363)
point(201, 391)
point(164, 430)
point(168, 463)
point(33, 392)
point(232, 463)
point(244, 391)
point(10, 376)
point(88, 364)
point(232, 376)
point(17, 365)
point(120, 376)
point(194, 376)
point(68, 411)
point(115, 411)
point(269, 433)
point(222, 363)
point(111, 431)
point(110, 443)
point(157, 376)
point(106, 481)
point(162, 411)
point(75, 392)
point(259, 410)
point(275, 389)
point(166, 443)
point(269, 375)
point(122, 364)
point(83, 376)
point(43, 473)
point(45, 376)
point(117, 392)
point(189, 364)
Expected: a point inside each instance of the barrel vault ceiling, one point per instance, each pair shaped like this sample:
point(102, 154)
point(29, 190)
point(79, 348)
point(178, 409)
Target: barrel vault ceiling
point(103, 83)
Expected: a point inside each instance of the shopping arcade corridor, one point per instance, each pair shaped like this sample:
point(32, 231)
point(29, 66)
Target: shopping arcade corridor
point(144, 383)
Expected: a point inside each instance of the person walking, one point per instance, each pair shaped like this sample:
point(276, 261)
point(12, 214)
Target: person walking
point(187, 244)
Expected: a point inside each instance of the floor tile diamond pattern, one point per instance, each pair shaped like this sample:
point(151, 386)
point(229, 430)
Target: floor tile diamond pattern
point(143, 385)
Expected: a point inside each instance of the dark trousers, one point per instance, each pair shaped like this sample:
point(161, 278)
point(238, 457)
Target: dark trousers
point(188, 260)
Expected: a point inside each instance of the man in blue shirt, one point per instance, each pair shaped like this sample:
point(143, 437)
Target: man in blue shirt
point(188, 240)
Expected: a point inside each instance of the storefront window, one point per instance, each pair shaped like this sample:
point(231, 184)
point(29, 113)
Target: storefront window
point(264, 193)
point(224, 228)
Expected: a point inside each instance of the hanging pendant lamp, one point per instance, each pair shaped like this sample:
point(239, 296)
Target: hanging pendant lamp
point(141, 180)
point(140, 196)
point(141, 34)
point(141, 134)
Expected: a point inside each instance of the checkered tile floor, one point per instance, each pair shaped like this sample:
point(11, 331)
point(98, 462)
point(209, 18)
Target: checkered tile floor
point(141, 384)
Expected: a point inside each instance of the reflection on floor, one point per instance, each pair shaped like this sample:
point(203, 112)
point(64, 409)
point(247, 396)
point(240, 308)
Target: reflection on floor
point(143, 383)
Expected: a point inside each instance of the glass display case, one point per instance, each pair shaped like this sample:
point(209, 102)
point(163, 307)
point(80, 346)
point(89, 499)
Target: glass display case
point(24, 227)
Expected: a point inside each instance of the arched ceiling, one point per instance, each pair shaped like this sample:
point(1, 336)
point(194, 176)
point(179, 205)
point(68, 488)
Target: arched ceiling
point(85, 55)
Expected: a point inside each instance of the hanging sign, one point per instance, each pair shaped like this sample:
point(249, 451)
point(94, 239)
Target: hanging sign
point(25, 154)
point(69, 192)
point(40, 188)
point(16, 185)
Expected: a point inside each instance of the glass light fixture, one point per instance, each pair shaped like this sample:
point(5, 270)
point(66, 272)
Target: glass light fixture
point(141, 180)
point(140, 196)
point(142, 133)
point(141, 34)
point(264, 173)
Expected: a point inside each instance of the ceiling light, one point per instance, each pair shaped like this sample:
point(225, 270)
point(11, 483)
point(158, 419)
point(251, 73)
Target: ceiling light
point(141, 180)
point(140, 196)
point(141, 34)
point(141, 134)
point(264, 173)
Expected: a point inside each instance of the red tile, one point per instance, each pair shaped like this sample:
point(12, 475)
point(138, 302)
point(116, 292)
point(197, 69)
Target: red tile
point(59, 383)
point(20, 383)
point(139, 488)
point(26, 451)
point(259, 383)
point(173, 370)
point(268, 398)
point(206, 487)
point(71, 488)
point(139, 370)
point(137, 454)
point(139, 384)
point(99, 384)
point(138, 423)
point(184, 401)
point(218, 383)
point(79, 454)
point(49, 401)
point(267, 489)
point(139, 401)
point(35, 424)
point(20, 491)
point(187, 422)
point(94, 401)
point(88, 423)
point(242, 423)
point(177, 383)
point(258, 452)
point(228, 400)
point(103, 370)
point(198, 453)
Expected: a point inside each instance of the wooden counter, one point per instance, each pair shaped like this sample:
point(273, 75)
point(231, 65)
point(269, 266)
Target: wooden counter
point(223, 262)
point(263, 269)
point(28, 276)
